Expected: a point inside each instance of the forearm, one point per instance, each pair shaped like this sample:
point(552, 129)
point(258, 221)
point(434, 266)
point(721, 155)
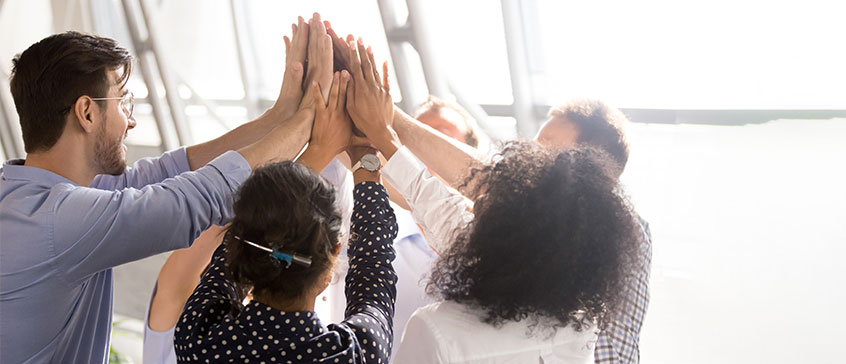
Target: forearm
point(284, 142)
point(437, 209)
point(316, 157)
point(450, 159)
point(240, 137)
point(371, 253)
point(178, 278)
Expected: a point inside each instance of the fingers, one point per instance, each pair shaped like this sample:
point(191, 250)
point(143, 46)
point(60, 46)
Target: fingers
point(315, 99)
point(355, 62)
point(373, 66)
point(385, 84)
point(301, 30)
point(366, 67)
point(317, 28)
point(342, 90)
point(293, 73)
point(287, 44)
point(333, 92)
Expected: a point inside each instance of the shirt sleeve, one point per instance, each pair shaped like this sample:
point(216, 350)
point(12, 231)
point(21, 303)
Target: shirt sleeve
point(96, 229)
point(341, 177)
point(419, 343)
point(620, 341)
point(438, 210)
point(146, 171)
point(371, 280)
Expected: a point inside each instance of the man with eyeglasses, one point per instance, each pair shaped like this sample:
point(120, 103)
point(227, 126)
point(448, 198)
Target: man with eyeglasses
point(71, 210)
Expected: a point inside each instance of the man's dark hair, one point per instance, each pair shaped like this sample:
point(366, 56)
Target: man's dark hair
point(52, 74)
point(435, 105)
point(600, 126)
point(283, 206)
point(552, 241)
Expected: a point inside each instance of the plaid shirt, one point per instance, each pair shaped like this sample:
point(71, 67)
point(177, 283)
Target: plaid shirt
point(619, 342)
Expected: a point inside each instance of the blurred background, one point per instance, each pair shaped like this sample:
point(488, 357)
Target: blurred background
point(738, 133)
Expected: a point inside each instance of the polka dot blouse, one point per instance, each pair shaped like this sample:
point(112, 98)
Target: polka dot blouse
point(208, 332)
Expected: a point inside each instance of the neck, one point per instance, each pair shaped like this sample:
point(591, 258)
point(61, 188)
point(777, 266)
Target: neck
point(67, 158)
point(305, 303)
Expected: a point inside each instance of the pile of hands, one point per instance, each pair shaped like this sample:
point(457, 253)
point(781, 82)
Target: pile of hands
point(342, 92)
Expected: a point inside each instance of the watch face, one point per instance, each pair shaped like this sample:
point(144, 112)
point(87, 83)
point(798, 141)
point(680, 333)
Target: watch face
point(370, 162)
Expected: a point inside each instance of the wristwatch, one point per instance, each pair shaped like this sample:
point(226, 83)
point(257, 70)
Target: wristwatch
point(370, 162)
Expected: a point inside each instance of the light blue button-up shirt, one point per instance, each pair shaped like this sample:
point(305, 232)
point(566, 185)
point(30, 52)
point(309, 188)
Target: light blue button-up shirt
point(59, 241)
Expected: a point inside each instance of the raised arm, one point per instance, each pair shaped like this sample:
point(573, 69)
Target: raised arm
point(213, 299)
point(434, 206)
point(449, 158)
point(371, 280)
point(178, 278)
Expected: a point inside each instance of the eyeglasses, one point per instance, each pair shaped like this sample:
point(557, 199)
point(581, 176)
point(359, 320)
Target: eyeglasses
point(127, 102)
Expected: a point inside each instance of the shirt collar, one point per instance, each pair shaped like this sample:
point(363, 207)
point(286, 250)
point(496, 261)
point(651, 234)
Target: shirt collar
point(405, 223)
point(15, 169)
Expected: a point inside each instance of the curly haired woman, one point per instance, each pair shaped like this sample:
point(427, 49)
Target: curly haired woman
point(533, 270)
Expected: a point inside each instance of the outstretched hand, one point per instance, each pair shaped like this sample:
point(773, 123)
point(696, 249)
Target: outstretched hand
point(291, 92)
point(332, 129)
point(319, 56)
point(369, 100)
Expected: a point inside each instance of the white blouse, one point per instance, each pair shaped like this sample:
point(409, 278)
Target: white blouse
point(449, 332)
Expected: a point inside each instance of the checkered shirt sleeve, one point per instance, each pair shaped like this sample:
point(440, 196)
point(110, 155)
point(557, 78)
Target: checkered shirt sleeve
point(619, 342)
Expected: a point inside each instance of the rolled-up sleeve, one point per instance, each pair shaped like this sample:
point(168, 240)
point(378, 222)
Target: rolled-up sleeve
point(146, 171)
point(438, 210)
point(97, 229)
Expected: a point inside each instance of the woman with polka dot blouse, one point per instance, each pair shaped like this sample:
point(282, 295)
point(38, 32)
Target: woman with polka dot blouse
point(289, 209)
point(281, 247)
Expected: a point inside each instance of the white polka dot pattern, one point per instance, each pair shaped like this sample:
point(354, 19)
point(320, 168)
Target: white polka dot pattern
point(207, 331)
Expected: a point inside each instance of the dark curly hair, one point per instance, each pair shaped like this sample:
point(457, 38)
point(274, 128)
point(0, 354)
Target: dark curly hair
point(552, 240)
point(284, 206)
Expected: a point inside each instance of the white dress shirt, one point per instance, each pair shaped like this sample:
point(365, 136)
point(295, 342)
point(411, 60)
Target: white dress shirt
point(413, 263)
point(449, 332)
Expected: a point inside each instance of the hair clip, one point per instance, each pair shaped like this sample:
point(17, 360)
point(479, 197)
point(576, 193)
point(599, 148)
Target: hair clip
point(279, 256)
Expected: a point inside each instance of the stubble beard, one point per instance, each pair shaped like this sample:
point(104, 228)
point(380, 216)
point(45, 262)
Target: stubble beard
point(107, 155)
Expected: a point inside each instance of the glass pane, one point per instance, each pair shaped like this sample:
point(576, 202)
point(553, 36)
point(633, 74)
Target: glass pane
point(747, 240)
point(720, 54)
point(469, 39)
point(198, 43)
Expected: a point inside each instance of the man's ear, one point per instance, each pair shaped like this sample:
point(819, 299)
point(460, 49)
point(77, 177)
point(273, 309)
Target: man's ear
point(87, 113)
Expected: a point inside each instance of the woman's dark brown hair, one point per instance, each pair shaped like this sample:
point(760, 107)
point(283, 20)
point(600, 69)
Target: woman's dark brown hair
point(287, 207)
point(552, 241)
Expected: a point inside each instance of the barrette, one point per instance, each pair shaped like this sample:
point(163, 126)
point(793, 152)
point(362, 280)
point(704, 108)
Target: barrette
point(279, 256)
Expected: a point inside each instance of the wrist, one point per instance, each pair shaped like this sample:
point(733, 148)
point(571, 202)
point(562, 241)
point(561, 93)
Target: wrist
point(363, 175)
point(387, 143)
point(355, 153)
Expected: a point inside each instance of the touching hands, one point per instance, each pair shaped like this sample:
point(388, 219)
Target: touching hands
point(332, 130)
point(340, 48)
point(368, 98)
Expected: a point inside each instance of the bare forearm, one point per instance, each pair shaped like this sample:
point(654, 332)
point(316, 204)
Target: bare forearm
point(445, 156)
point(284, 142)
point(316, 157)
point(178, 277)
point(242, 136)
